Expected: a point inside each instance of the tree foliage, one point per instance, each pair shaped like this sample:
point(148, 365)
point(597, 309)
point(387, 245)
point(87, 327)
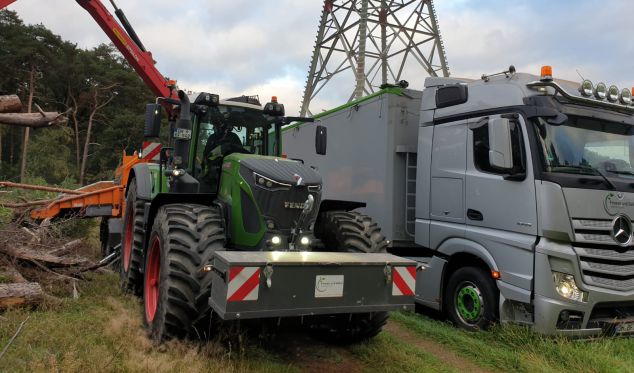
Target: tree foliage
point(105, 97)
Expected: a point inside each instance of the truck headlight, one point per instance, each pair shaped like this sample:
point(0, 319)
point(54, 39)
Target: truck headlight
point(567, 287)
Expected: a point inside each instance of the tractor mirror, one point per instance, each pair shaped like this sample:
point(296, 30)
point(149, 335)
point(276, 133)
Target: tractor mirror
point(321, 137)
point(500, 146)
point(152, 120)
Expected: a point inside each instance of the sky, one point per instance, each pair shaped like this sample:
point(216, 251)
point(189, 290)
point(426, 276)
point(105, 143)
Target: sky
point(264, 47)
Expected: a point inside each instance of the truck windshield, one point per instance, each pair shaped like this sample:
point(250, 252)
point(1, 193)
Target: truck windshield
point(587, 146)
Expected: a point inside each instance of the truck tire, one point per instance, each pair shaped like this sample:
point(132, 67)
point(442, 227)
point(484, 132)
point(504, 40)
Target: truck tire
point(176, 290)
point(349, 231)
point(471, 299)
point(132, 242)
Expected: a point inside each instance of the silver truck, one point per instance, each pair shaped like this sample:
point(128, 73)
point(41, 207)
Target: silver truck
point(514, 193)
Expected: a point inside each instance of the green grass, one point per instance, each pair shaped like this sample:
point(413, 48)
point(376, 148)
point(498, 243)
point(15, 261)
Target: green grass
point(102, 332)
point(514, 348)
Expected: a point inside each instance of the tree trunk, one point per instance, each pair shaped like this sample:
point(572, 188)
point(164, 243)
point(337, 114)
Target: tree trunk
point(10, 104)
point(33, 120)
point(20, 294)
point(76, 125)
point(28, 254)
point(84, 157)
point(25, 144)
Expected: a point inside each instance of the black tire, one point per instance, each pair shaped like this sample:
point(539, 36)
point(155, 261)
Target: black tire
point(103, 237)
point(471, 299)
point(349, 231)
point(187, 235)
point(131, 278)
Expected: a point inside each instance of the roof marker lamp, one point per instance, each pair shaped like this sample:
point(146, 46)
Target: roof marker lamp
point(625, 97)
point(613, 93)
point(600, 91)
point(586, 88)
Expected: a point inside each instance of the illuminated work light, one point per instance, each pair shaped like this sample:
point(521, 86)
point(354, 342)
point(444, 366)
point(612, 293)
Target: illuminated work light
point(586, 88)
point(600, 91)
point(613, 93)
point(625, 97)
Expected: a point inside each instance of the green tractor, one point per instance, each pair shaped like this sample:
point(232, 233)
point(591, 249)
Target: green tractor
point(224, 185)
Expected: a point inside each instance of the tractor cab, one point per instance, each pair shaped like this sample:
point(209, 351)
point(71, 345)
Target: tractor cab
point(236, 125)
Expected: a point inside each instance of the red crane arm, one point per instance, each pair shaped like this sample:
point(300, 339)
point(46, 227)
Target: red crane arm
point(5, 3)
point(140, 60)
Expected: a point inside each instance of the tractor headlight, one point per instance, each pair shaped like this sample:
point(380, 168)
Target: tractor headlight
point(276, 240)
point(305, 241)
point(266, 183)
point(567, 287)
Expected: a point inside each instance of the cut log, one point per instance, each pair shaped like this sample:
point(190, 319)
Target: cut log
point(33, 120)
point(13, 274)
point(25, 253)
point(26, 294)
point(10, 104)
point(66, 248)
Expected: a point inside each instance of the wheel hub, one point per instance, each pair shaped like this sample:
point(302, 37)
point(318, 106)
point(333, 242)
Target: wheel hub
point(469, 302)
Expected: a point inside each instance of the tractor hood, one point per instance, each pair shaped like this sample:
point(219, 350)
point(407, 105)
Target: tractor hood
point(282, 170)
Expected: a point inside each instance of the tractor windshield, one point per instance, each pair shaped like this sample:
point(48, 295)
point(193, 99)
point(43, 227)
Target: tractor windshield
point(232, 129)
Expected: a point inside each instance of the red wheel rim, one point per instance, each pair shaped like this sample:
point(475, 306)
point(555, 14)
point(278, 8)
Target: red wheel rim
point(127, 243)
point(152, 275)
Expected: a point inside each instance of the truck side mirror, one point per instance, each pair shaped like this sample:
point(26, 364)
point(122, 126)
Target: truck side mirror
point(500, 146)
point(152, 120)
point(321, 137)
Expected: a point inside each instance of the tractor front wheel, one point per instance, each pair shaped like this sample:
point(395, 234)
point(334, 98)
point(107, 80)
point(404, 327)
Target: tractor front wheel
point(176, 291)
point(349, 231)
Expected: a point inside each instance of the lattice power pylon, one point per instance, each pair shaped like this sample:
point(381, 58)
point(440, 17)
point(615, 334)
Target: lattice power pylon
point(376, 41)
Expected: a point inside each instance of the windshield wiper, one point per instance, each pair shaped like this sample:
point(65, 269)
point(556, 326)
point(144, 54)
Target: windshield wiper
point(621, 172)
point(596, 172)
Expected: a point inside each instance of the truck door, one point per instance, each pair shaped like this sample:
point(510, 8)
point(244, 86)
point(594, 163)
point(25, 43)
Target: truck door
point(447, 200)
point(501, 210)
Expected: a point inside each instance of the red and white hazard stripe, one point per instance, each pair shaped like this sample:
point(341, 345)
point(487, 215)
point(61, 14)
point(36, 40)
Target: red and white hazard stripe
point(403, 280)
point(244, 283)
point(151, 151)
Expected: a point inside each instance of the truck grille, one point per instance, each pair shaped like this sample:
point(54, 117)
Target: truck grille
point(603, 263)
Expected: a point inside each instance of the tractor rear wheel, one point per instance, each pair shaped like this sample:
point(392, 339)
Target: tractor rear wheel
point(132, 242)
point(349, 231)
point(176, 290)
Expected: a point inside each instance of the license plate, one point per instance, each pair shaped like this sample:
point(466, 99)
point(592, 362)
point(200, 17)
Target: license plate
point(182, 134)
point(625, 328)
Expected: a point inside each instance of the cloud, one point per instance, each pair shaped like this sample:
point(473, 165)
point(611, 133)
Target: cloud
point(247, 47)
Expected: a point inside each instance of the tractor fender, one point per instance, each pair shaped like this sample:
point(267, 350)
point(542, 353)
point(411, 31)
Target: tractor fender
point(333, 204)
point(141, 172)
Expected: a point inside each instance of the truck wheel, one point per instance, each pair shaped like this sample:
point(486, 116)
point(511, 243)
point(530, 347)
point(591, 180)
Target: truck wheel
point(349, 232)
point(471, 299)
point(176, 290)
point(132, 242)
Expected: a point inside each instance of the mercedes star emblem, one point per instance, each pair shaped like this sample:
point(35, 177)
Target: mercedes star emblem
point(622, 230)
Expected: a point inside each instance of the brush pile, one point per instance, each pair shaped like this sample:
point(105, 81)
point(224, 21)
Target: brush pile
point(37, 263)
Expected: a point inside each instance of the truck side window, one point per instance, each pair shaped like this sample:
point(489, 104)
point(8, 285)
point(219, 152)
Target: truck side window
point(481, 150)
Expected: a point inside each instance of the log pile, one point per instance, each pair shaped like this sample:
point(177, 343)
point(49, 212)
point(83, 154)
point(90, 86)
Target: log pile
point(10, 114)
point(31, 258)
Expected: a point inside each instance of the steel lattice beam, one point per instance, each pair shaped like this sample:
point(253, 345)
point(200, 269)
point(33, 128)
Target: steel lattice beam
point(373, 40)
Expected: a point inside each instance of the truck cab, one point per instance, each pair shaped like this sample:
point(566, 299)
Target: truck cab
point(530, 179)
